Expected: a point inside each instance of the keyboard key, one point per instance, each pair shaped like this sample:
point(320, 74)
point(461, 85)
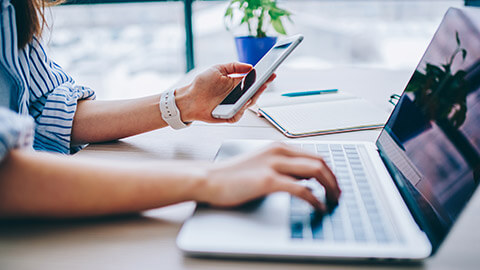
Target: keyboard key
point(337, 147)
point(337, 153)
point(344, 175)
point(316, 223)
point(358, 173)
point(297, 230)
point(360, 178)
point(317, 233)
point(338, 230)
point(323, 148)
point(295, 145)
point(381, 236)
point(363, 185)
point(310, 148)
point(325, 156)
point(355, 162)
point(353, 156)
point(340, 170)
point(360, 236)
point(356, 167)
point(299, 207)
point(338, 234)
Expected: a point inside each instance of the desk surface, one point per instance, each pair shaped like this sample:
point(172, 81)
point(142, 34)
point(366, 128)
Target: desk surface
point(147, 240)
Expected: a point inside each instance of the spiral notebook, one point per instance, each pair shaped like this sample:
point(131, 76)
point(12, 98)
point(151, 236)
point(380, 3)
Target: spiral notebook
point(319, 114)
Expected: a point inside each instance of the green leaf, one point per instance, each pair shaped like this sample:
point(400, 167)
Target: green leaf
point(458, 38)
point(278, 26)
point(435, 71)
point(256, 3)
point(464, 54)
point(282, 12)
point(276, 12)
point(272, 15)
point(245, 18)
point(459, 76)
point(416, 82)
point(228, 12)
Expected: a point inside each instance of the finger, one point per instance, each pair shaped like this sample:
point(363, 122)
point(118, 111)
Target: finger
point(253, 100)
point(238, 115)
point(232, 120)
point(234, 68)
point(288, 184)
point(265, 85)
point(259, 92)
point(234, 82)
point(295, 152)
point(272, 77)
point(306, 168)
point(257, 95)
point(331, 184)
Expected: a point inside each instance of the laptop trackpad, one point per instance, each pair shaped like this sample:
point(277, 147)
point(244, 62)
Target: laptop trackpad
point(237, 229)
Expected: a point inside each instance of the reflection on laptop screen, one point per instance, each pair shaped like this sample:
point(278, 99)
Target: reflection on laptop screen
point(431, 142)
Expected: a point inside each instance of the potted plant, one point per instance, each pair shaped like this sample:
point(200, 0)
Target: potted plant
point(258, 16)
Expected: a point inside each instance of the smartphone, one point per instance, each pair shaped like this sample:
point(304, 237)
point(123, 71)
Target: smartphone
point(250, 84)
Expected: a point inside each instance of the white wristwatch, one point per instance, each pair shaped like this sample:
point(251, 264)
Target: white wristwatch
point(169, 110)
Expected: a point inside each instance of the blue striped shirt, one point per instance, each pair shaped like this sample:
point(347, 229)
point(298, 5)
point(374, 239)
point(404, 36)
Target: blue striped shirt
point(37, 87)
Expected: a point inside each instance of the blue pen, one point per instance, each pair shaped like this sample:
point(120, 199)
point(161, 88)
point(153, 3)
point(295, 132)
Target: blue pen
point(309, 93)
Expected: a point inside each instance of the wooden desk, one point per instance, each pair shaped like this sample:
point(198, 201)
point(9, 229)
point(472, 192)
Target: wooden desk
point(147, 241)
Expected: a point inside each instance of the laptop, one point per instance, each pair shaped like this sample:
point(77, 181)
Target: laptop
point(400, 195)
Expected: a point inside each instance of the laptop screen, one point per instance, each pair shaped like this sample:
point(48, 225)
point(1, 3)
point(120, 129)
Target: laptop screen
point(431, 143)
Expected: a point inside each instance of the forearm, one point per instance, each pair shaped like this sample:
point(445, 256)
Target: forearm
point(36, 184)
point(97, 121)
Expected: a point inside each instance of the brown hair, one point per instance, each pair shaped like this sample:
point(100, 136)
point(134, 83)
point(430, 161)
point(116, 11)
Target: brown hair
point(30, 18)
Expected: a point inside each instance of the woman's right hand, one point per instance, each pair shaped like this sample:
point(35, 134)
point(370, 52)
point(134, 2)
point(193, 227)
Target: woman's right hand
point(197, 100)
point(276, 168)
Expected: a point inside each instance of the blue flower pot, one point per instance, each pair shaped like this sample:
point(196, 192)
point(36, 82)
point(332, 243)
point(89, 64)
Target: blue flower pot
point(251, 49)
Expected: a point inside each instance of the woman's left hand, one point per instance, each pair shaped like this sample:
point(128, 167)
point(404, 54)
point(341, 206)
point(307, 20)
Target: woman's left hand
point(197, 100)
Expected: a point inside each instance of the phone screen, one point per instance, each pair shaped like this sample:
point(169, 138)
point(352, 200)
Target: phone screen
point(257, 72)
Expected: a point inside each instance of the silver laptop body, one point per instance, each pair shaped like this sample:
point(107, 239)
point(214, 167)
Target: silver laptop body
point(400, 196)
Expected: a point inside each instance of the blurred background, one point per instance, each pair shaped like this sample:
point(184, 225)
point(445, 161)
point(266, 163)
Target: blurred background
point(132, 49)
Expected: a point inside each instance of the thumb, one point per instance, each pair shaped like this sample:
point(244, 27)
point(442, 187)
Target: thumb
point(234, 68)
point(236, 80)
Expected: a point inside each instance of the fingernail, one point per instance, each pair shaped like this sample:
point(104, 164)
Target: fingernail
point(321, 207)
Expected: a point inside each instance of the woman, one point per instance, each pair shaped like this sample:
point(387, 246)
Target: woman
point(43, 108)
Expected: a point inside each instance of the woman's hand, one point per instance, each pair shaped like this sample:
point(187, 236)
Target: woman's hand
point(276, 168)
point(197, 100)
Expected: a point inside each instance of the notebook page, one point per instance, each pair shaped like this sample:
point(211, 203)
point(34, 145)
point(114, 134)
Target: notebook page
point(334, 115)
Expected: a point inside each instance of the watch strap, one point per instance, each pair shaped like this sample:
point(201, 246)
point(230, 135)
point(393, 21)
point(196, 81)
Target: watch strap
point(169, 110)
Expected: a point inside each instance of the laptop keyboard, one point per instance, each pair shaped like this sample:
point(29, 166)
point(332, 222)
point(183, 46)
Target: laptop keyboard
point(357, 218)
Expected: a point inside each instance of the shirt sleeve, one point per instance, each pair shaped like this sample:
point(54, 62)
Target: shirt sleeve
point(16, 131)
point(53, 102)
point(43, 90)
